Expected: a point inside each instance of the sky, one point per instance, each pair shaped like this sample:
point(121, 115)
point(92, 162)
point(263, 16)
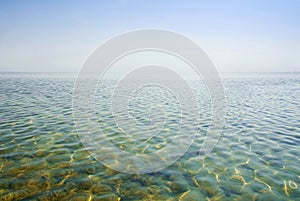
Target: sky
point(238, 36)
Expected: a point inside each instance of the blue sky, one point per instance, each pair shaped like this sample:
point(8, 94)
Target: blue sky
point(238, 36)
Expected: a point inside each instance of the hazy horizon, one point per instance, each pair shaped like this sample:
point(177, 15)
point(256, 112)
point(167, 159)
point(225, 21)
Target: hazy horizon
point(58, 36)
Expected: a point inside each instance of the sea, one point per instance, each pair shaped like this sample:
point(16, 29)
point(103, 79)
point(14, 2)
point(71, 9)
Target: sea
point(257, 156)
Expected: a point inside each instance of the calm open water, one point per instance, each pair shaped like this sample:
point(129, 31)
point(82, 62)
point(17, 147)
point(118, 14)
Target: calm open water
point(257, 158)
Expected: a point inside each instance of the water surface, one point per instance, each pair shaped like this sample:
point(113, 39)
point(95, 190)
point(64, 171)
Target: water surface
point(257, 158)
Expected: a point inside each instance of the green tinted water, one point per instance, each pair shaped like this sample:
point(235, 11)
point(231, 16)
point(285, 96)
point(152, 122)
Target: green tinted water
point(257, 158)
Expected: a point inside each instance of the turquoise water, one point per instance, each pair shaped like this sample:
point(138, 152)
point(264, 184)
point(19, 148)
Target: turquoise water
point(257, 158)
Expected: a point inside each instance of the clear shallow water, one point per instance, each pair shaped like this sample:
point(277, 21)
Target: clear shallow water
point(257, 158)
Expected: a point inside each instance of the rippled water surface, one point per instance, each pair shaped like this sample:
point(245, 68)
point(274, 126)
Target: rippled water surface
point(257, 158)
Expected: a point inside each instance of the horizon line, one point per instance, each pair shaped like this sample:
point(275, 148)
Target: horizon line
point(218, 72)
